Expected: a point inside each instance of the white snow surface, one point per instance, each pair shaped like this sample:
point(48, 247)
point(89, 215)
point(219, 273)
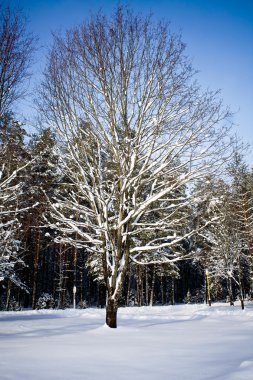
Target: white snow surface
point(182, 342)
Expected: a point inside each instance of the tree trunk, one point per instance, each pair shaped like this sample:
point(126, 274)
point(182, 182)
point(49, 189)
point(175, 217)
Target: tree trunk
point(128, 288)
point(8, 296)
point(230, 292)
point(75, 276)
point(35, 270)
point(146, 285)
point(60, 282)
point(139, 285)
point(152, 287)
point(251, 281)
point(241, 297)
point(242, 302)
point(162, 290)
point(208, 291)
point(81, 285)
point(111, 313)
point(172, 291)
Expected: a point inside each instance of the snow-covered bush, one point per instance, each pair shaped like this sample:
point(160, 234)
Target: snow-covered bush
point(188, 297)
point(82, 305)
point(13, 304)
point(198, 297)
point(46, 301)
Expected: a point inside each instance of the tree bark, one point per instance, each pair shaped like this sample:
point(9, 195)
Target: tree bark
point(162, 290)
point(128, 287)
point(242, 301)
point(139, 285)
point(81, 286)
point(147, 285)
point(230, 292)
point(152, 287)
point(35, 269)
point(240, 286)
point(8, 296)
point(251, 280)
point(172, 291)
point(111, 313)
point(208, 293)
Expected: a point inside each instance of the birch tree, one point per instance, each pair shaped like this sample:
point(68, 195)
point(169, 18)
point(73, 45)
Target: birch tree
point(135, 129)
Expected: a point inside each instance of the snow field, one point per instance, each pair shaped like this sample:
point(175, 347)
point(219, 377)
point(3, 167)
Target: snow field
point(182, 342)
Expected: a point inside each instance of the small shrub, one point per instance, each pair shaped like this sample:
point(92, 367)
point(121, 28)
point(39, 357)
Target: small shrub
point(46, 301)
point(82, 305)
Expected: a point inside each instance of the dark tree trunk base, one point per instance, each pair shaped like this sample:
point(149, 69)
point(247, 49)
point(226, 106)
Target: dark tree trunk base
point(111, 314)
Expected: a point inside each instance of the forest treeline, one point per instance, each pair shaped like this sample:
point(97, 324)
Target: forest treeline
point(133, 191)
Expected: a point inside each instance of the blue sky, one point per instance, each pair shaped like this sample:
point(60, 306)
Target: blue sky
point(218, 34)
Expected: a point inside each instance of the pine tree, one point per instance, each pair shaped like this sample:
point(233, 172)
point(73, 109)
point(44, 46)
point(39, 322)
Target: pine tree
point(40, 181)
point(12, 161)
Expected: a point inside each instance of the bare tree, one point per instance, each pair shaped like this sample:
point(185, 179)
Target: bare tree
point(16, 47)
point(136, 132)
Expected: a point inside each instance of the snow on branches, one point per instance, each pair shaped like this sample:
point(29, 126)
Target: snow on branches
point(136, 132)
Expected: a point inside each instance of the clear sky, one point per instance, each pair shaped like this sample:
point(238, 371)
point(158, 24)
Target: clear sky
point(218, 34)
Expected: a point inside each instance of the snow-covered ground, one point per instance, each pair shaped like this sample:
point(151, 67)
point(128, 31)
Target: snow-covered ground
point(183, 342)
